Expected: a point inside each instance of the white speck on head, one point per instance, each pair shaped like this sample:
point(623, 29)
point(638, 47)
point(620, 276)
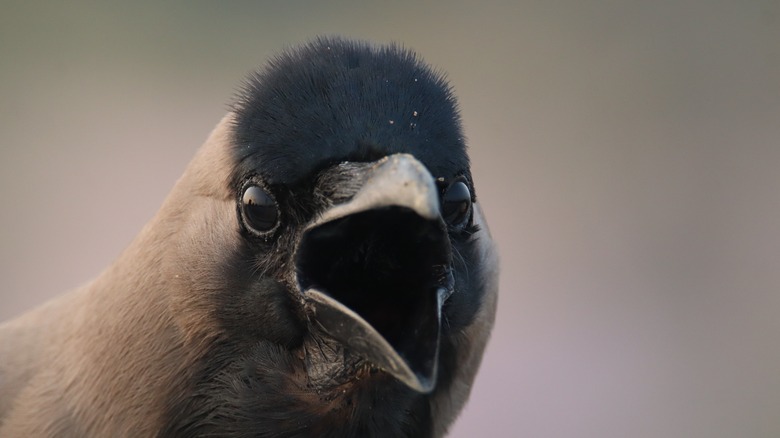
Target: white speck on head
point(414, 113)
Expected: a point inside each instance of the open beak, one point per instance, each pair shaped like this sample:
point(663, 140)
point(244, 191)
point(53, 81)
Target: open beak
point(376, 271)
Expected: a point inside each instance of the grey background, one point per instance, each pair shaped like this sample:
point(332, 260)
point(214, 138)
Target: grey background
point(626, 154)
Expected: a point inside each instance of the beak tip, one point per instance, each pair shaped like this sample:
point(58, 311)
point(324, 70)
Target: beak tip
point(423, 385)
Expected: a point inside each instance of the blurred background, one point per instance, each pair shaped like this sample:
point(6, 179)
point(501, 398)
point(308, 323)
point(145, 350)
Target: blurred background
point(627, 155)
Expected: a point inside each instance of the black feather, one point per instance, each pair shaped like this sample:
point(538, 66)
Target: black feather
point(336, 100)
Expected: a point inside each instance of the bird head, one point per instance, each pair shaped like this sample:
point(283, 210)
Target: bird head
point(337, 212)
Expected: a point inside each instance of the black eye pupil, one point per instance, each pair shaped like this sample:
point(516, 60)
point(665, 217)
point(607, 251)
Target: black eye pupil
point(259, 209)
point(456, 204)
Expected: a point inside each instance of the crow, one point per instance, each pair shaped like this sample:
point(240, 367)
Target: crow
point(321, 269)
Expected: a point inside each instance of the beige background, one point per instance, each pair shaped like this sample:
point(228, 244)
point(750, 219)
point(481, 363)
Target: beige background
point(627, 155)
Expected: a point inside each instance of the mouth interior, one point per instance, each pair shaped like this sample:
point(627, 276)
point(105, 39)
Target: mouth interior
point(385, 264)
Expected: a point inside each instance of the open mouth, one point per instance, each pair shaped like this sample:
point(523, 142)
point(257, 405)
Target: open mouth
point(390, 266)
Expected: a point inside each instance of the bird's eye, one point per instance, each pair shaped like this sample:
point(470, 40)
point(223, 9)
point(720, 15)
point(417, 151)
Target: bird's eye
point(258, 209)
point(456, 204)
